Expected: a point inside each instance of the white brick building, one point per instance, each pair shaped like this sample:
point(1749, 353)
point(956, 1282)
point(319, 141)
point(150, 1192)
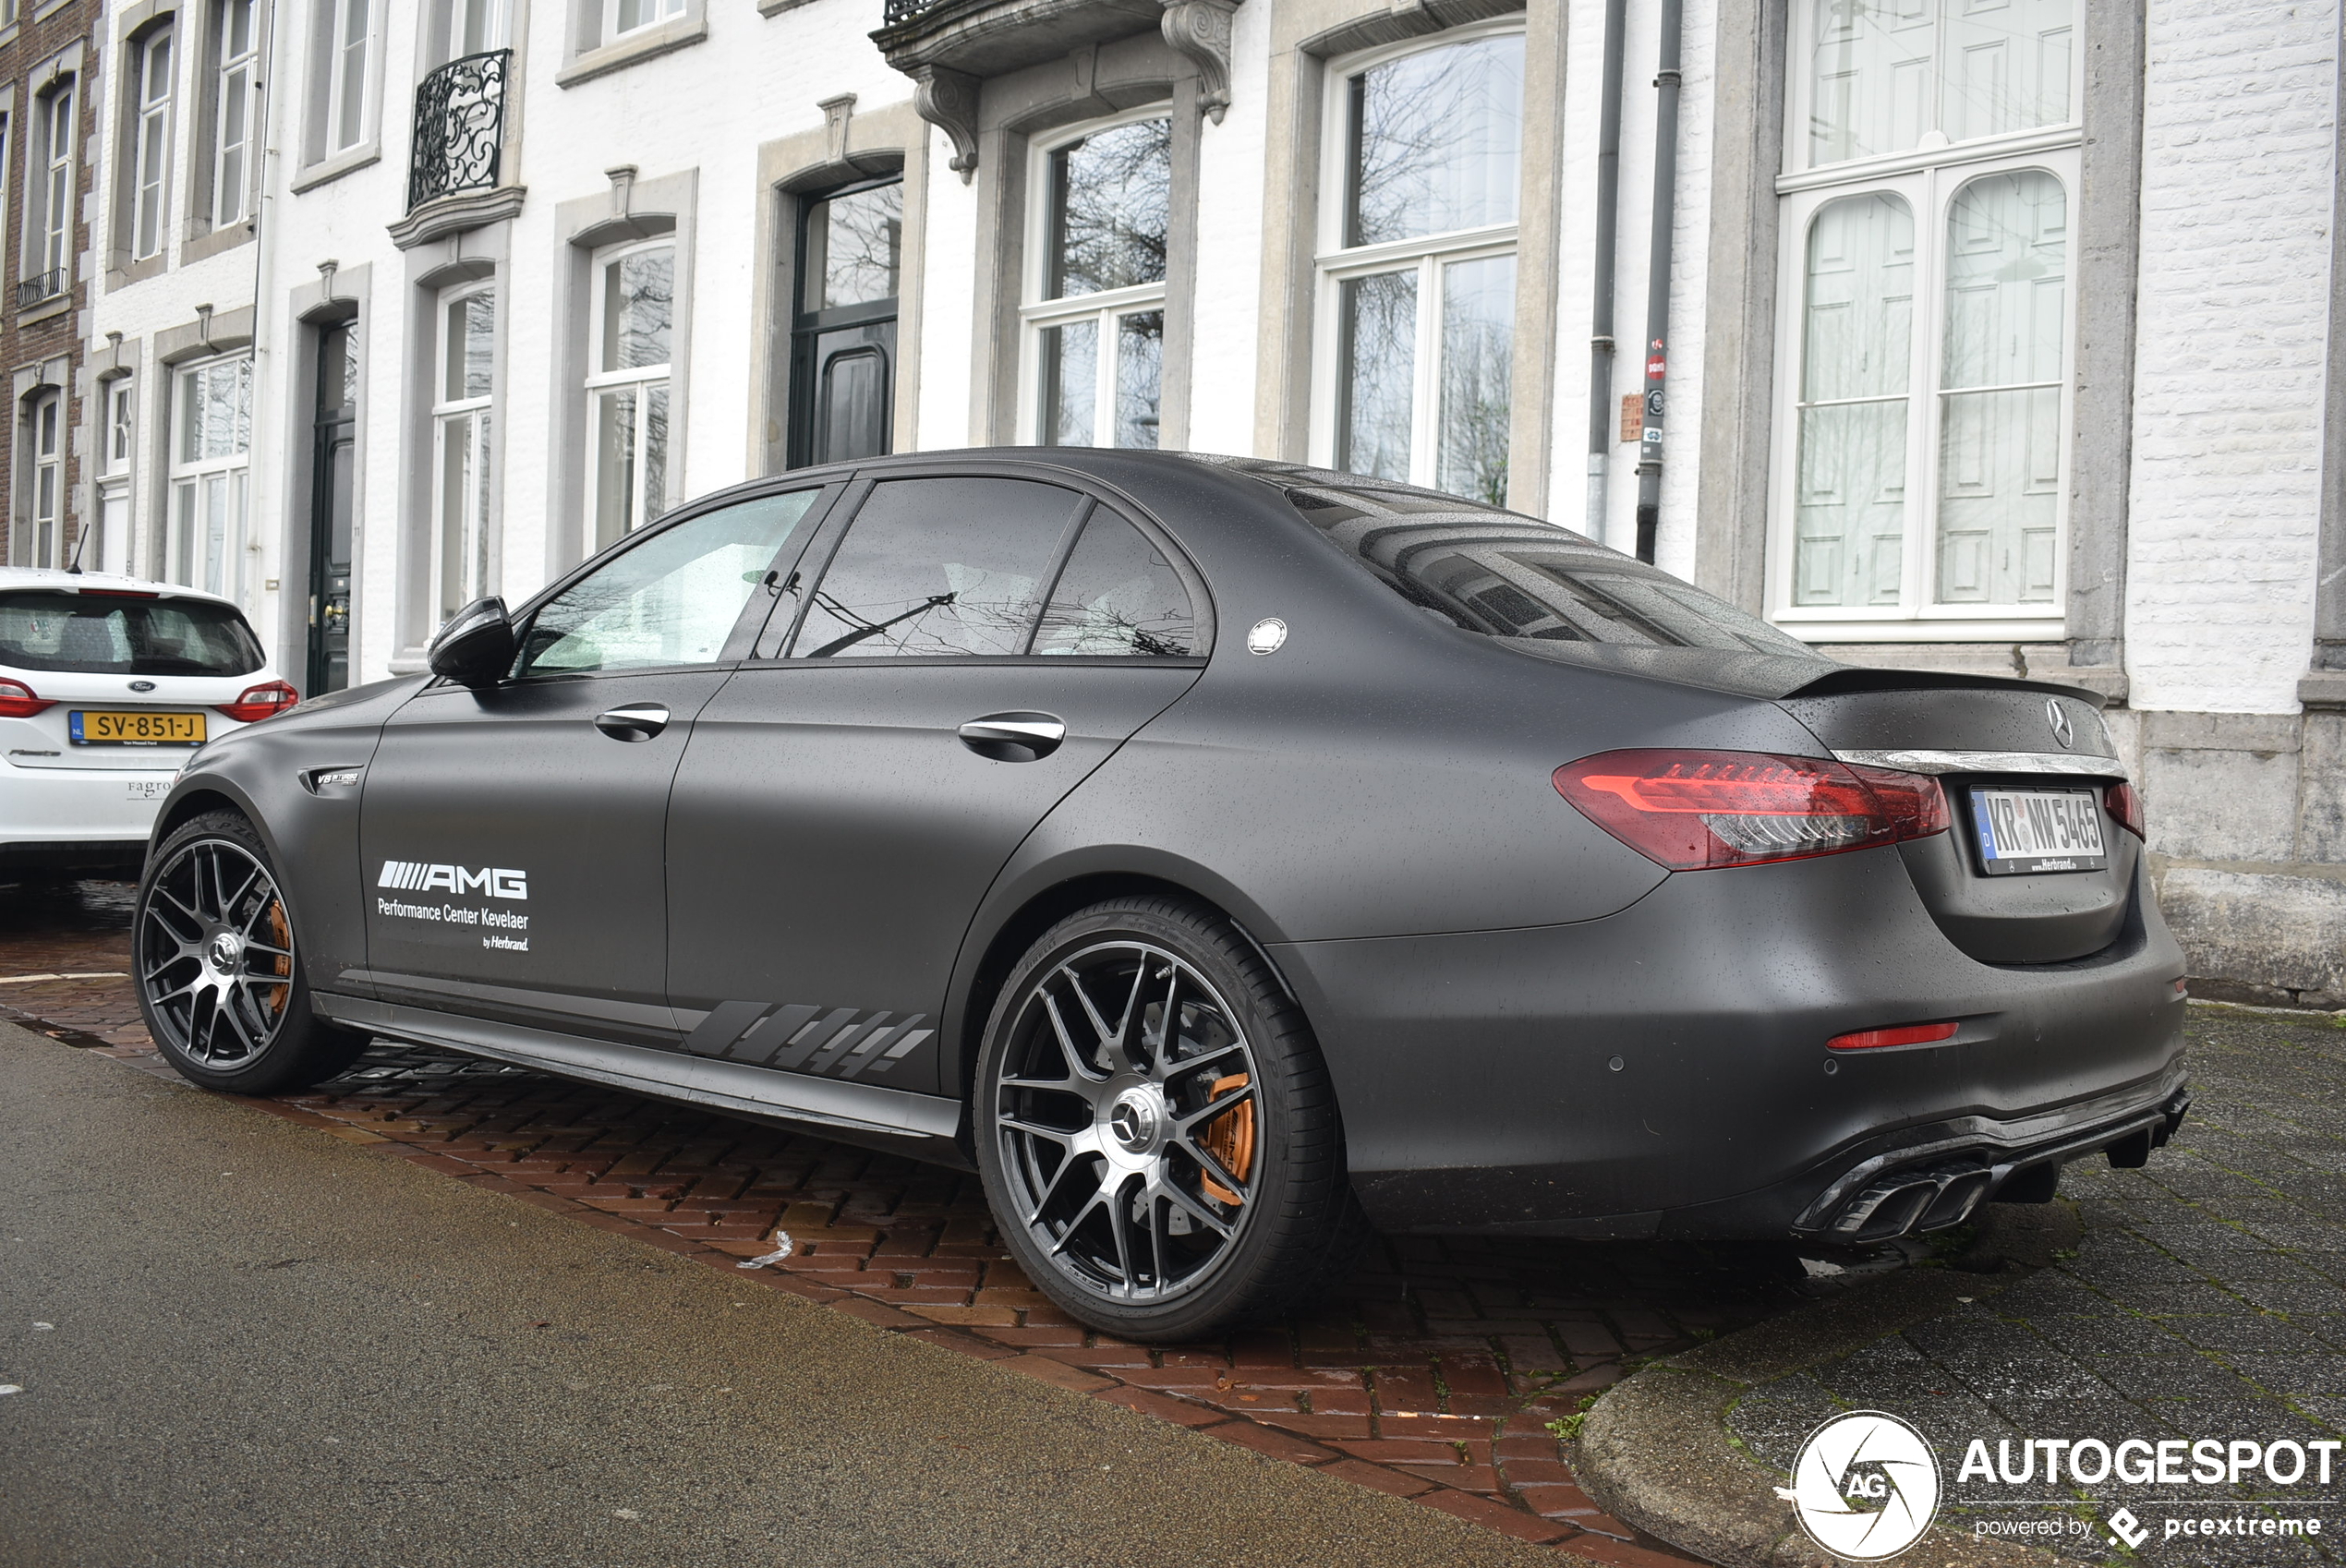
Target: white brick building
point(2000, 333)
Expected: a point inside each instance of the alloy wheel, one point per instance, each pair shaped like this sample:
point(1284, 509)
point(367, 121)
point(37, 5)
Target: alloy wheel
point(1125, 1111)
point(215, 953)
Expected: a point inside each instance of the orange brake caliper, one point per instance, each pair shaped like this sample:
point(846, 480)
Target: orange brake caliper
point(280, 935)
point(1229, 1138)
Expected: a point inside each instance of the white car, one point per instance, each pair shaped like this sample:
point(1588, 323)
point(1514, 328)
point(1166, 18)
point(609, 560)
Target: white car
point(106, 685)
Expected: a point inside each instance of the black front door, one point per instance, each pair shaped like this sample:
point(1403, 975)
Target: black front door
point(843, 809)
point(513, 839)
point(843, 325)
point(334, 434)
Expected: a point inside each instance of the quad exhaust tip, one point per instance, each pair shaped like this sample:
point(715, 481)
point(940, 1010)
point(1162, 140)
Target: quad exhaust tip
point(1912, 1201)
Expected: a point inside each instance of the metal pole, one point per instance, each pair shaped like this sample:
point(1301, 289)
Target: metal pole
point(1666, 183)
point(1601, 412)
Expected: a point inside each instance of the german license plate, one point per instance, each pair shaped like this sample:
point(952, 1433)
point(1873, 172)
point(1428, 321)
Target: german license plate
point(95, 728)
point(2038, 830)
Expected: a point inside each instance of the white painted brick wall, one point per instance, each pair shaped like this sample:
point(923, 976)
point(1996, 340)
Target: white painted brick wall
point(2239, 129)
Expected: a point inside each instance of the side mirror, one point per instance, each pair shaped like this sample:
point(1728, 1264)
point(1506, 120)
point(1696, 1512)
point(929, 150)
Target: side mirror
point(475, 648)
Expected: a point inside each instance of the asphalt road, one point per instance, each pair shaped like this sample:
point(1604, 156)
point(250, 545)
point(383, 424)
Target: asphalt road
point(240, 1341)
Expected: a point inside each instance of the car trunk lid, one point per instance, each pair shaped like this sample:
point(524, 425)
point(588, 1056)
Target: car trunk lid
point(2026, 766)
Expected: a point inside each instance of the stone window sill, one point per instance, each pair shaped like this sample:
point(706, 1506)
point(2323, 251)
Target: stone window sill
point(329, 169)
point(691, 28)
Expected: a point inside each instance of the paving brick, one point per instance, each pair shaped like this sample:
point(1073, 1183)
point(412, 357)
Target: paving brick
point(1400, 1483)
point(1494, 1515)
point(1277, 1444)
point(1179, 1412)
point(1042, 1368)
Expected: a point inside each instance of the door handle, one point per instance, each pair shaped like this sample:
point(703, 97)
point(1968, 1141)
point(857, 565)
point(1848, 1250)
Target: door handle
point(638, 721)
point(1014, 736)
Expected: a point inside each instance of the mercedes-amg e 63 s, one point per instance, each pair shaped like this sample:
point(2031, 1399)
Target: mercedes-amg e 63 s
point(1221, 857)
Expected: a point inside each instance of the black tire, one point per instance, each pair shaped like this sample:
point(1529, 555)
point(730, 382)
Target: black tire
point(218, 968)
point(1177, 1183)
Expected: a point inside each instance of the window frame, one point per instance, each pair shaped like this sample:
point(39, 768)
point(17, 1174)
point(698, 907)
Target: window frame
point(611, 32)
point(333, 101)
point(643, 378)
point(44, 443)
point(477, 417)
point(1928, 178)
point(1334, 264)
point(187, 476)
point(222, 68)
point(117, 426)
point(45, 168)
point(1038, 314)
point(146, 168)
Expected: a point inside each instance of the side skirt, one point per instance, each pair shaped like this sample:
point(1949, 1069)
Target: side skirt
point(895, 1120)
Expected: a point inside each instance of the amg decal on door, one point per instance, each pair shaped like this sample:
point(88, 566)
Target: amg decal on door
point(418, 877)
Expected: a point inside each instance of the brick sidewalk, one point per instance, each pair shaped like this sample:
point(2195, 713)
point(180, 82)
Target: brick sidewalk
point(1431, 1374)
point(2207, 1299)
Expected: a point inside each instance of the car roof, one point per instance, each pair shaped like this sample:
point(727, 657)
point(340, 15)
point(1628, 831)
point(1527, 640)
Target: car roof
point(57, 580)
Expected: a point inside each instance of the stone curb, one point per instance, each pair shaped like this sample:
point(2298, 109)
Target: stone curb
point(1654, 1451)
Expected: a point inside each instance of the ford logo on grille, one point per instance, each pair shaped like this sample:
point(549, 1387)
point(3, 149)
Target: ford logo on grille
point(2058, 717)
point(142, 685)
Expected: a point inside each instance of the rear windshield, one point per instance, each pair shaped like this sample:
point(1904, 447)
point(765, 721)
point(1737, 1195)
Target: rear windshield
point(1507, 575)
point(98, 633)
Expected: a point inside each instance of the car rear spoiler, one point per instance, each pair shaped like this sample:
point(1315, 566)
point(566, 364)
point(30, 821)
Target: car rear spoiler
point(1856, 678)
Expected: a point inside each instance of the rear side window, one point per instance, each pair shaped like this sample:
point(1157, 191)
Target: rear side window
point(1508, 575)
point(1118, 597)
point(939, 568)
point(99, 633)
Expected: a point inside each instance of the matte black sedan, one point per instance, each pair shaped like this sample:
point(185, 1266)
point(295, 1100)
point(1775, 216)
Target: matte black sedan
point(1221, 856)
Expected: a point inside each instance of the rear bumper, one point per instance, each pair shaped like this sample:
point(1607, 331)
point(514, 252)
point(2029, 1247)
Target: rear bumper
point(1664, 1071)
point(71, 817)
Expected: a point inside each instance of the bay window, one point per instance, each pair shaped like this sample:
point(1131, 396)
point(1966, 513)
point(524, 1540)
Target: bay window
point(1919, 473)
point(634, 311)
point(210, 455)
point(1095, 317)
point(1417, 264)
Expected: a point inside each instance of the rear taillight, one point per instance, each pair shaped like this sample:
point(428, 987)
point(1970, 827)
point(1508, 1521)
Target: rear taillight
point(260, 702)
point(1903, 1034)
point(1695, 811)
point(2126, 808)
point(16, 701)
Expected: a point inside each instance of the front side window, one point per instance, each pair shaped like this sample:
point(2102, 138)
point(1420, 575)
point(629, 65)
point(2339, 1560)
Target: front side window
point(1418, 266)
point(211, 453)
point(464, 384)
point(151, 144)
point(939, 568)
point(350, 37)
point(1922, 444)
point(1095, 318)
point(236, 57)
point(44, 444)
point(634, 313)
point(674, 598)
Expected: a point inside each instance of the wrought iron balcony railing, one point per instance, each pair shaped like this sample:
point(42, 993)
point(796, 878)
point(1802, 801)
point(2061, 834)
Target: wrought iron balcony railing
point(460, 127)
point(48, 285)
point(905, 10)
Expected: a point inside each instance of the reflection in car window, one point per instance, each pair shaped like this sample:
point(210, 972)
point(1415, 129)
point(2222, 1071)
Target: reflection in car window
point(105, 633)
point(1508, 575)
point(1117, 597)
point(670, 599)
point(939, 568)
